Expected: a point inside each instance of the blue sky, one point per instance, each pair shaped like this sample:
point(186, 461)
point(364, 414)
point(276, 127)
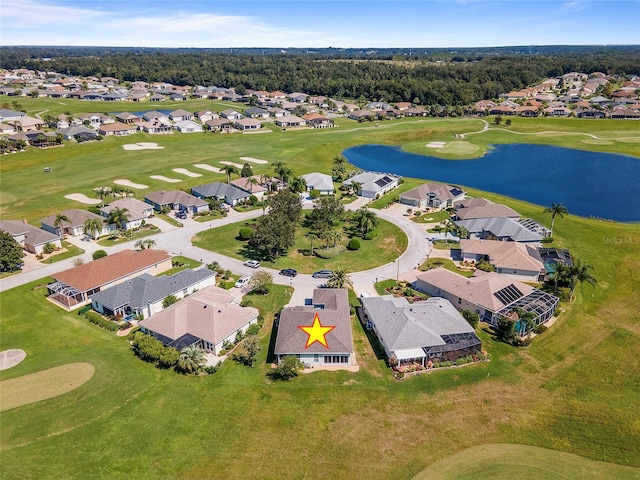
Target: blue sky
point(319, 23)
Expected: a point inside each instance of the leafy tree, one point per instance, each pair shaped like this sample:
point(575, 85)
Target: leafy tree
point(472, 317)
point(289, 368)
point(191, 359)
point(339, 279)
point(245, 233)
point(11, 253)
point(261, 282)
point(251, 348)
point(247, 171)
point(498, 119)
point(556, 209)
point(98, 254)
point(229, 170)
point(215, 266)
point(327, 212)
point(169, 300)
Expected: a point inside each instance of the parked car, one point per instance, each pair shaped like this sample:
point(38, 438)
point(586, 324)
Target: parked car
point(322, 274)
point(242, 282)
point(289, 272)
point(252, 263)
point(181, 214)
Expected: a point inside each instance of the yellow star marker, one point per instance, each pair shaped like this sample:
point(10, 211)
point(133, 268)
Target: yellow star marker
point(317, 332)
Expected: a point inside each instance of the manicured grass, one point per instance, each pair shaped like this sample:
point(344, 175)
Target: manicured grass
point(207, 218)
point(43, 385)
point(445, 244)
point(381, 289)
point(145, 232)
point(507, 461)
point(433, 217)
point(71, 251)
point(574, 389)
point(187, 263)
point(170, 220)
point(386, 247)
point(445, 263)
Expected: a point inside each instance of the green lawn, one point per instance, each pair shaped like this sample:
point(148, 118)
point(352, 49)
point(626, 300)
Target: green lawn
point(573, 390)
point(169, 219)
point(145, 232)
point(432, 217)
point(445, 263)
point(181, 263)
point(71, 251)
point(386, 247)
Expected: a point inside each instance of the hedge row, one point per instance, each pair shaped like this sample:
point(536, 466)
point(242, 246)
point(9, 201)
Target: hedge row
point(96, 319)
point(329, 253)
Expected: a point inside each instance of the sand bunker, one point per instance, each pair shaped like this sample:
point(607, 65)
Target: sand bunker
point(435, 144)
point(82, 198)
point(597, 142)
point(142, 146)
point(237, 165)
point(186, 172)
point(11, 358)
point(253, 160)
point(165, 179)
point(127, 183)
point(629, 139)
point(204, 166)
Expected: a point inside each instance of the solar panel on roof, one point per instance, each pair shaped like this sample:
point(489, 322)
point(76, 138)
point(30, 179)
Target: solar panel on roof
point(455, 192)
point(508, 294)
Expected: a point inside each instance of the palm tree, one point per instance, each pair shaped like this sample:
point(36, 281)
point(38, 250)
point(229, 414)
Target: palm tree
point(119, 216)
point(365, 220)
point(102, 192)
point(556, 209)
point(93, 226)
point(298, 185)
point(191, 359)
point(580, 273)
point(282, 171)
point(526, 320)
point(357, 187)
point(58, 221)
point(336, 236)
point(449, 227)
point(145, 244)
point(229, 170)
point(252, 181)
point(462, 232)
point(339, 279)
point(312, 237)
point(560, 274)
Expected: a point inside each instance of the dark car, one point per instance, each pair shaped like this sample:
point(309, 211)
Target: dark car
point(289, 272)
point(322, 274)
point(181, 214)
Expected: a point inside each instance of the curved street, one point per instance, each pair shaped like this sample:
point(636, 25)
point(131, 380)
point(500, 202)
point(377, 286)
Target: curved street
point(177, 241)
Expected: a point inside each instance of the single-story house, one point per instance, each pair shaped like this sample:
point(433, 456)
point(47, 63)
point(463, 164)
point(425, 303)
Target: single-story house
point(75, 225)
point(137, 211)
point(419, 332)
point(489, 294)
point(31, 238)
point(207, 318)
point(255, 112)
point(220, 125)
point(415, 112)
point(79, 133)
point(176, 200)
point(156, 127)
point(318, 333)
point(230, 194)
point(128, 117)
point(72, 288)
point(30, 123)
point(378, 106)
point(180, 115)
point(231, 114)
point(432, 195)
point(373, 184)
point(319, 181)
point(482, 208)
point(188, 126)
point(290, 121)
point(361, 115)
point(245, 124)
point(117, 129)
point(244, 183)
point(513, 259)
point(95, 119)
point(315, 120)
point(500, 228)
point(144, 295)
point(7, 115)
point(204, 115)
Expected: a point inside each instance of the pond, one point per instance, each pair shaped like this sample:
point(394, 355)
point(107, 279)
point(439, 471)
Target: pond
point(589, 184)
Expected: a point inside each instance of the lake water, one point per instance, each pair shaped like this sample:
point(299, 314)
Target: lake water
point(589, 184)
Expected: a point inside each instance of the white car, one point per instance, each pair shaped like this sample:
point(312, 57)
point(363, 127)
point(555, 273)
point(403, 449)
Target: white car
point(252, 263)
point(242, 282)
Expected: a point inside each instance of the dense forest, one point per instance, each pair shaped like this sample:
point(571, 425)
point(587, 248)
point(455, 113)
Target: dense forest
point(444, 77)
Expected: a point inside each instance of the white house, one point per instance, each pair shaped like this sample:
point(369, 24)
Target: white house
point(319, 181)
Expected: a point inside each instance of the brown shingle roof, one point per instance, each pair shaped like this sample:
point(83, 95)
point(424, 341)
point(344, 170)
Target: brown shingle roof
point(108, 269)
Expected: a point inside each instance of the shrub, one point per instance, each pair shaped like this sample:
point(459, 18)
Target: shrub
point(370, 235)
point(331, 252)
point(99, 254)
point(169, 300)
point(288, 369)
point(547, 240)
point(354, 244)
point(253, 200)
point(253, 329)
point(211, 369)
point(485, 266)
point(49, 248)
point(314, 194)
point(540, 329)
point(98, 320)
point(245, 233)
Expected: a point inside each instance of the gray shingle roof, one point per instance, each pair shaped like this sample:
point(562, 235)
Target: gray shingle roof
point(402, 325)
point(162, 197)
point(501, 227)
point(332, 307)
point(219, 189)
point(145, 289)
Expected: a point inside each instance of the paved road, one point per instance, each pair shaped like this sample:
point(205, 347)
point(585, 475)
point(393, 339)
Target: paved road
point(178, 241)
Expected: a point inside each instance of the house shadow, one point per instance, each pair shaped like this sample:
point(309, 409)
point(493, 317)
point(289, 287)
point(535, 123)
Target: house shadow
point(271, 355)
point(371, 336)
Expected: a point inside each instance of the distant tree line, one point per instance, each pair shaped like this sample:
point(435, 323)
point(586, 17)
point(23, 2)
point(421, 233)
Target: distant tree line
point(438, 78)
